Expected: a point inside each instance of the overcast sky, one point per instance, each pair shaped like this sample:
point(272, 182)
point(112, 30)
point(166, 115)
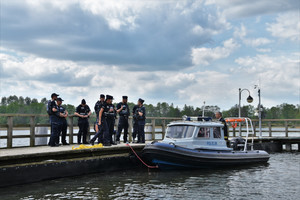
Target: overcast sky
point(181, 52)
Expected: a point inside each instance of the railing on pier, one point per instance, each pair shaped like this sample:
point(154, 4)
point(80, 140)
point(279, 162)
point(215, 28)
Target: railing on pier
point(158, 127)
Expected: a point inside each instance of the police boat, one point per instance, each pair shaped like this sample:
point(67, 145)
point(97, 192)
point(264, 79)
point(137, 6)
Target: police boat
point(197, 142)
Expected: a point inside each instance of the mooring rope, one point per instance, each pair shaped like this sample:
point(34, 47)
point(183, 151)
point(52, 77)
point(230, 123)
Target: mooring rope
point(151, 167)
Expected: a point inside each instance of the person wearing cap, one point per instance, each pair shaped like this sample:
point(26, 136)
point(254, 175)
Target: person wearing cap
point(123, 110)
point(135, 123)
point(64, 124)
point(102, 123)
point(83, 112)
point(110, 115)
point(54, 120)
point(141, 119)
point(98, 105)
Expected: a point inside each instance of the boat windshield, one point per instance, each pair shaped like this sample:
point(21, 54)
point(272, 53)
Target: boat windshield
point(180, 131)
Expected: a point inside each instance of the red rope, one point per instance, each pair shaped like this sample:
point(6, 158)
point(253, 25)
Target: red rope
point(151, 167)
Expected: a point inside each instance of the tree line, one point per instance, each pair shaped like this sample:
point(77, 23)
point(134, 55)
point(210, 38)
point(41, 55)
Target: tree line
point(14, 104)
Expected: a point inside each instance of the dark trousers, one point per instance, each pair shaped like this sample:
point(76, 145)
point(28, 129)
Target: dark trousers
point(100, 133)
point(141, 133)
point(110, 125)
point(55, 130)
point(123, 124)
point(83, 129)
point(135, 130)
point(64, 128)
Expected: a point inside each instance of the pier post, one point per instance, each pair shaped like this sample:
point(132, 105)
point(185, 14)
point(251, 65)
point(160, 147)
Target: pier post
point(270, 129)
point(286, 129)
point(32, 131)
point(10, 122)
point(153, 128)
point(288, 147)
point(71, 129)
point(130, 129)
point(163, 128)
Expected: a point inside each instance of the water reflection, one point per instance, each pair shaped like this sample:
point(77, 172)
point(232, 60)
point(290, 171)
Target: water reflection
point(279, 179)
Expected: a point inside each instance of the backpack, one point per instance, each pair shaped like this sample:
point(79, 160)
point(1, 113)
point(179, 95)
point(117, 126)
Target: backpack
point(49, 110)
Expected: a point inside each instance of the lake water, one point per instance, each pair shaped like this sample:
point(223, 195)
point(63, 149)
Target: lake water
point(279, 179)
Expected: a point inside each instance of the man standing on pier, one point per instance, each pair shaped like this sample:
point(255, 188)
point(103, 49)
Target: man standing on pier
point(221, 119)
point(123, 110)
point(110, 114)
point(99, 104)
point(64, 125)
point(141, 120)
point(54, 121)
point(83, 112)
point(134, 123)
point(103, 123)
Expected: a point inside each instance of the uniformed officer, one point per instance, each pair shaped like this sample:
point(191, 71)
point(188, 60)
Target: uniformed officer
point(141, 119)
point(221, 119)
point(83, 112)
point(54, 121)
point(64, 124)
point(98, 105)
point(110, 115)
point(135, 123)
point(102, 122)
point(123, 110)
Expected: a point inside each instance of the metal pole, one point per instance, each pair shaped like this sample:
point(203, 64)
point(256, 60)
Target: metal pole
point(259, 113)
point(240, 125)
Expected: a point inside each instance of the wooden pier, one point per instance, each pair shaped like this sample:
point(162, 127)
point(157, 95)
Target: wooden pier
point(156, 126)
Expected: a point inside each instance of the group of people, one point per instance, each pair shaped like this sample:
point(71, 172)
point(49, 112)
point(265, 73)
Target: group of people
point(106, 114)
point(57, 115)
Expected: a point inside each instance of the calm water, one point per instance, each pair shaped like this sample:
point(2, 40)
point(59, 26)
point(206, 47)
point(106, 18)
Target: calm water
point(280, 179)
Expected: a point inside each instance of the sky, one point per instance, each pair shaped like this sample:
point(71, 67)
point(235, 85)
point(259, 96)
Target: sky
point(180, 52)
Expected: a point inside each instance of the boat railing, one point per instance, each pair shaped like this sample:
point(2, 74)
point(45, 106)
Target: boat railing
point(235, 120)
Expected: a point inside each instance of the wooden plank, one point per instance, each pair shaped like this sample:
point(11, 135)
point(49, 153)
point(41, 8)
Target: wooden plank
point(10, 124)
point(270, 129)
point(71, 130)
point(32, 131)
point(130, 129)
point(163, 128)
point(153, 128)
point(286, 129)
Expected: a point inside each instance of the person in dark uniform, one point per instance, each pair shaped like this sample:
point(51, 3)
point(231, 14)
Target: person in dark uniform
point(102, 123)
point(54, 121)
point(64, 124)
point(123, 110)
point(83, 112)
point(135, 123)
point(141, 120)
point(221, 119)
point(99, 104)
point(110, 115)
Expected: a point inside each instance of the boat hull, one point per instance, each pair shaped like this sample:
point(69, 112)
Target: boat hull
point(170, 156)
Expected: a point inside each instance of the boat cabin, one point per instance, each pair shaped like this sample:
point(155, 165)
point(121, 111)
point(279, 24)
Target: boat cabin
point(196, 135)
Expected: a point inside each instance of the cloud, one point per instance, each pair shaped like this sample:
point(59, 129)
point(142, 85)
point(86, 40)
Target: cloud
point(279, 75)
point(204, 56)
point(287, 26)
point(245, 8)
point(134, 35)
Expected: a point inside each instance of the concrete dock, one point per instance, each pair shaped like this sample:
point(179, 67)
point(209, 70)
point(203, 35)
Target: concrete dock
point(32, 164)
